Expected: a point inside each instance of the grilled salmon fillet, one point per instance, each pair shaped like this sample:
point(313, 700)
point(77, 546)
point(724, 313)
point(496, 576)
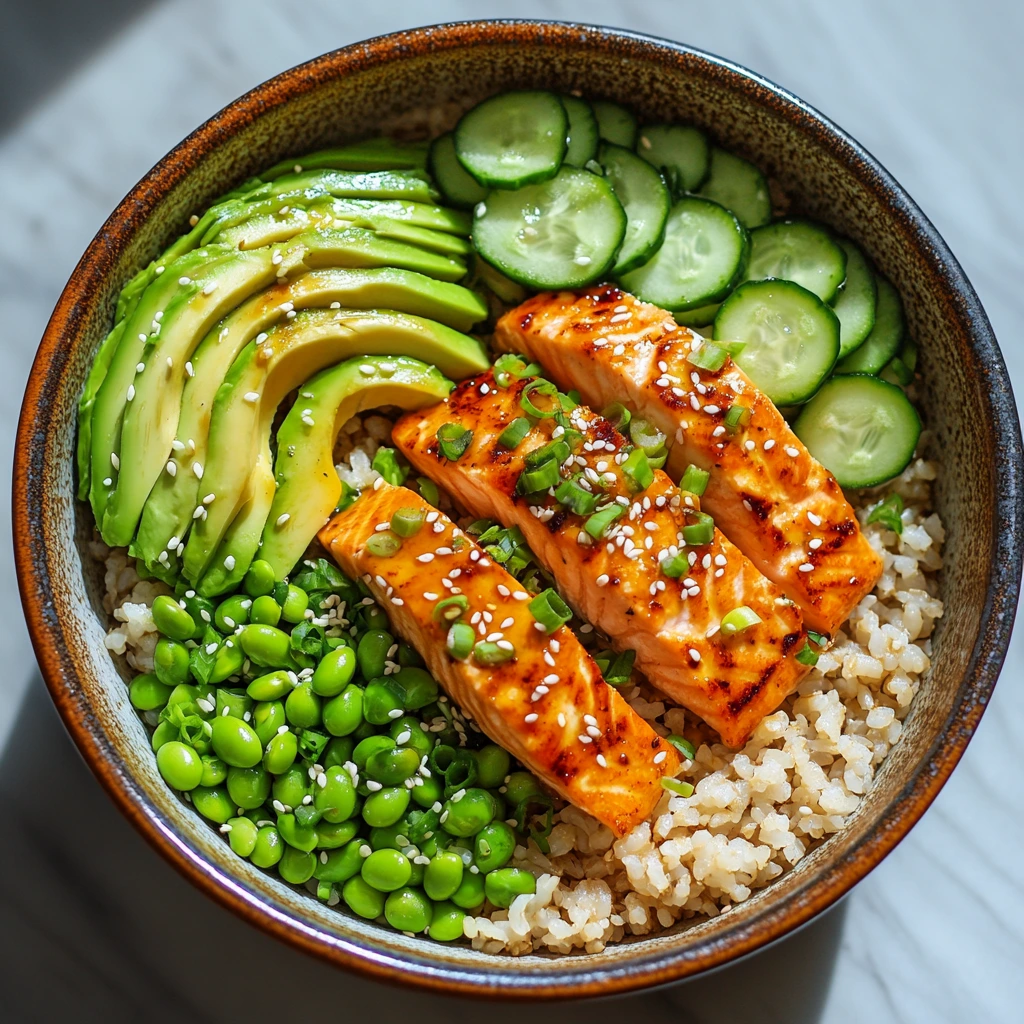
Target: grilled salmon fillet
point(780, 506)
point(548, 706)
point(617, 581)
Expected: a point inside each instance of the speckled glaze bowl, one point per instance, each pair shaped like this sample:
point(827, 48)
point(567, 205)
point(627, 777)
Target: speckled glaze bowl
point(349, 94)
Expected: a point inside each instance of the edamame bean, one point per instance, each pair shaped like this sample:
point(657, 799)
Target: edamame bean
point(340, 865)
point(371, 654)
point(237, 703)
point(492, 765)
point(281, 752)
point(188, 697)
point(380, 702)
point(365, 749)
point(180, 766)
point(296, 866)
point(248, 787)
point(408, 910)
point(430, 793)
point(227, 662)
point(406, 732)
point(521, 785)
point(242, 837)
point(267, 719)
point(391, 766)
point(163, 733)
point(331, 835)
point(387, 838)
point(335, 671)
point(215, 771)
point(493, 846)
point(291, 787)
point(386, 870)
point(363, 899)
point(338, 750)
point(336, 799)
point(374, 617)
point(265, 610)
point(409, 657)
point(259, 579)
point(202, 611)
point(235, 742)
point(170, 661)
point(443, 876)
point(296, 601)
point(467, 815)
point(269, 847)
point(266, 646)
point(213, 802)
point(343, 714)
point(147, 693)
point(231, 613)
point(446, 924)
point(385, 806)
point(302, 837)
point(418, 687)
point(272, 686)
point(470, 893)
point(303, 707)
point(171, 619)
point(505, 884)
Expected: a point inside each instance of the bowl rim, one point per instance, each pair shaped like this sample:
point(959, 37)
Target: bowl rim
point(504, 980)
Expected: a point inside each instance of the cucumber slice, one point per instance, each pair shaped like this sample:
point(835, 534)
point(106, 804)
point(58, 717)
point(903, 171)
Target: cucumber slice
point(460, 188)
point(886, 336)
point(856, 299)
point(702, 316)
point(513, 139)
point(739, 186)
point(860, 428)
point(562, 233)
point(680, 152)
point(581, 145)
point(701, 258)
point(795, 250)
point(791, 337)
point(644, 197)
point(614, 123)
point(900, 369)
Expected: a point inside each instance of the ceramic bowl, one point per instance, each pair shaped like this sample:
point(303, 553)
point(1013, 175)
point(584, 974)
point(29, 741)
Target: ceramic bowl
point(349, 94)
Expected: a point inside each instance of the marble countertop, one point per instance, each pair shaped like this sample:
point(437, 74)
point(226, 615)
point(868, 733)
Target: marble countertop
point(91, 920)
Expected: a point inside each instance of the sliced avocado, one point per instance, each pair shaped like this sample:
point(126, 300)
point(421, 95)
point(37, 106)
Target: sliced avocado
point(168, 513)
point(141, 327)
point(97, 373)
point(433, 241)
point(266, 371)
point(378, 154)
point(150, 419)
point(358, 247)
point(411, 185)
point(308, 487)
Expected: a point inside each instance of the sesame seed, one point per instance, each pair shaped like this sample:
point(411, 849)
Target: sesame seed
point(602, 761)
point(531, 717)
point(791, 451)
point(659, 757)
point(694, 653)
point(184, 280)
point(131, 392)
point(521, 595)
point(252, 397)
point(815, 544)
point(769, 445)
point(583, 261)
point(585, 739)
point(197, 468)
point(815, 519)
point(602, 580)
point(229, 562)
point(806, 567)
point(425, 557)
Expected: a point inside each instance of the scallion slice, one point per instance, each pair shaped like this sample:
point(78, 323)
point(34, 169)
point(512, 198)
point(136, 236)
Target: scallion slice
point(737, 416)
point(646, 436)
point(451, 609)
point(889, 513)
point(575, 498)
point(619, 671)
point(386, 463)
point(700, 532)
point(487, 652)
point(617, 415)
point(428, 489)
point(675, 566)
point(739, 619)
point(540, 388)
point(821, 639)
point(695, 480)
point(453, 439)
point(460, 640)
point(512, 436)
point(711, 355)
point(550, 610)
point(556, 450)
point(638, 469)
point(677, 786)
point(509, 366)
point(597, 523)
point(383, 545)
point(807, 656)
point(407, 522)
point(684, 746)
point(546, 475)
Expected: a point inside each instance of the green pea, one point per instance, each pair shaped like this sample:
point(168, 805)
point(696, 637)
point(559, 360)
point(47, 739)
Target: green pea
point(380, 702)
point(336, 800)
point(214, 803)
point(215, 771)
point(296, 601)
point(430, 793)
point(271, 686)
point(170, 661)
point(303, 708)
point(180, 766)
point(505, 884)
point(332, 834)
point(237, 703)
point(446, 924)
point(386, 870)
point(338, 750)
point(269, 847)
point(408, 910)
point(259, 579)
point(385, 806)
point(302, 837)
point(409, 656)
point(492, 765)
point(335, 671)
point(231, 613)
point(467, 815)
point(362, 899)
point(418, 686)
point(391, 766)
point(296, 866)
point(235, 742)
point(281, 752)
point(470, 893)
point(443, 876)
point(147, 693)
point(520, 786)
point(340, 865)
point(248, 787)
point(265, 610)
point(493, 846)
point(202, 611)
point(266, 646)
point(291, 787)
point(343, 714)
point(227, 662)
point(171, 619)
point(372, 652)
point(267, 718)
point(242, 837)
point(163, 733)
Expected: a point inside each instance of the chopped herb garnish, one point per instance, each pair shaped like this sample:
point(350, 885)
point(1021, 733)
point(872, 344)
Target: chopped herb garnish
point(737, 416)
point(556, 450)
point(510, 366)
point(200, 664)
point(647, 437)
point(460, 640)
point(621, 668)
point(540, 388)
point(407, 522)
point(638, 468)
point(453, 439)
point(451, 609)
point(684, 746)
point(695, 480)
point(383, 545)
point(739, 619)
point(677, 786)
point(675, 566)
point(617, 415)
point(597, 523)
point(821, 639)
point(700, 532)
point(487, 652)
point(575, 498)
point(888, 513)
point(711, 355)
point(807, 656)
point(531, 481)
point(348, 497)
point(550, 610)
point(514, 433)
point(386, 462)
point(428, 489)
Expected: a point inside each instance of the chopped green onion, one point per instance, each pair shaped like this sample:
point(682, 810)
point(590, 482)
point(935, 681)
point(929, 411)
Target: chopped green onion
point(711, 355)
point(737, 416)
point(386, 463)
point(514, 433)
point(695, 480)
point(700, 532)
point(480, 526)
point(428, 489)
point(488, 653)
point(617, 415)
point(807, 656)
point(646, 436)
point(638, 469)
point(569, 400)
point(406, 522)
point(460, 640)
point(597, 523)
point(383, 545)
point(324, 890)
point(540, 479)
point(550, 610)
point(675, 566)
point(619, 671)
point(684, 746)
point(821, 639)
point(739, 619)
point(540, 387)
point(348, 497)
point(451, 609)
point(453, 439)
point(576, 498)
point(677, 786)
point(888, 513)
point(557, 450)
point(510, 365)
point(657, 461)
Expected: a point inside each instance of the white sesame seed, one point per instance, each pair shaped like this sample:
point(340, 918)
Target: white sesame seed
point(531, 717)
point(659, 757)
point(425, 557)
point(815, 544)
point(602, 580)
point(769, 445)
point(602, 761)
point(815, 519)
point(252, 397)
point(694, 653)
point(791, 451)
point(585, 739)
point(229, 562)
point(806, 567)
point(582, 261)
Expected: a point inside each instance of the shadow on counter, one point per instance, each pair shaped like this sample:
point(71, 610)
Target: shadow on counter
point(95, 926)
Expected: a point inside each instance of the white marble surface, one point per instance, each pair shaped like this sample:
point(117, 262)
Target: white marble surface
point(90, 918)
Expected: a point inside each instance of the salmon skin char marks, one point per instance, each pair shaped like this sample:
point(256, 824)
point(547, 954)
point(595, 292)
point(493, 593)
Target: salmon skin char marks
point(780, 506)
point(617, 582)
point(548, 706)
